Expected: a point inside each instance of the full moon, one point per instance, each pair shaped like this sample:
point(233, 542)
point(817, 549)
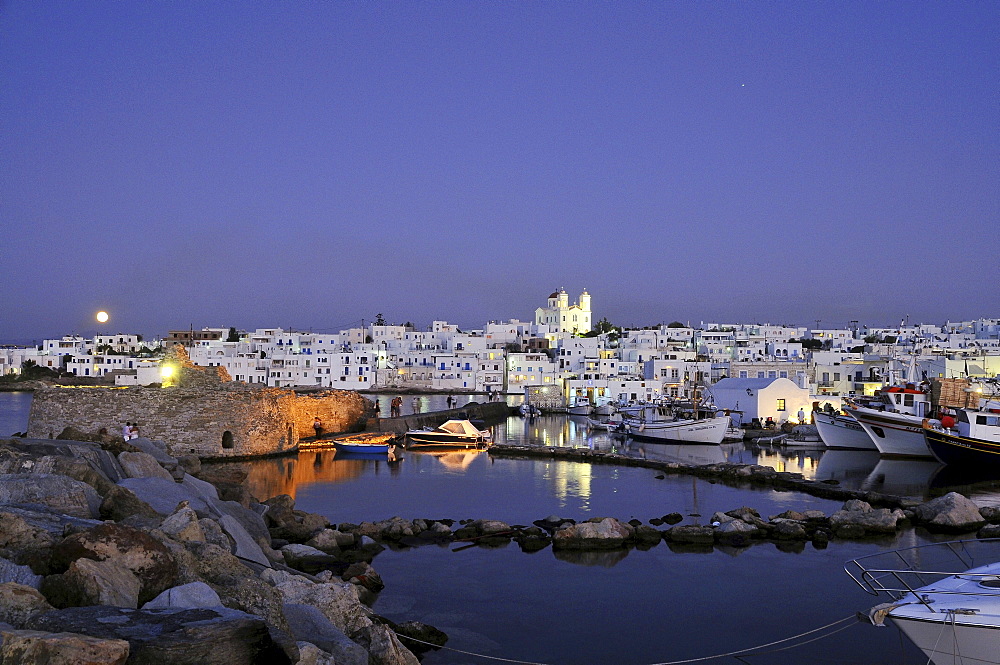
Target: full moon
point(102, 317)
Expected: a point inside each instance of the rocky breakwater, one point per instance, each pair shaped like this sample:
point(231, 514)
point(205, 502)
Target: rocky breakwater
point(604, 540)
point(113, 553)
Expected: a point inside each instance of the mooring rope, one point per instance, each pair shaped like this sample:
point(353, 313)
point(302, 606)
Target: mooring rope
point(470, 653)
point(672, 662)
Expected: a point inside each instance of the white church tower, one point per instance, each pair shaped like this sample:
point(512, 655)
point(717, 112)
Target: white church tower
point(560, 316)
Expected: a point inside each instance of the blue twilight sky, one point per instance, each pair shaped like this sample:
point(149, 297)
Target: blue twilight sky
point(310, 164)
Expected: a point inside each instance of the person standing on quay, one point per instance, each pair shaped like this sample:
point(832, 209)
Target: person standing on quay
point(318, 426)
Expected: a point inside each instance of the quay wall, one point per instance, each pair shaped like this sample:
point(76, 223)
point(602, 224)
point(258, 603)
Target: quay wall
point(229, 420)
point(489, 411)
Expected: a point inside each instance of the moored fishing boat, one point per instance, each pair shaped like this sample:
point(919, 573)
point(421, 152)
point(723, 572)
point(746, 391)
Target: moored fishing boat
point(896, 426)
point(366, 442)
point(842, 431)
point(693, 430)
point(452, 433)
point(973, 442)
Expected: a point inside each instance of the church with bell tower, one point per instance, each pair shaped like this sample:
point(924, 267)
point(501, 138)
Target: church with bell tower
point(560, 316)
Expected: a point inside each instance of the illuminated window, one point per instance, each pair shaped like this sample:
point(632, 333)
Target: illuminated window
point(781, 405)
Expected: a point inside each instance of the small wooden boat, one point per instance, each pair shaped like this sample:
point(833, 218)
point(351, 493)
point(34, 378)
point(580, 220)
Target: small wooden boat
point(365, 442)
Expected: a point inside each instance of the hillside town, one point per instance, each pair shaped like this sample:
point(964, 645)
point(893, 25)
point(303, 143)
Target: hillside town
point(563, 352)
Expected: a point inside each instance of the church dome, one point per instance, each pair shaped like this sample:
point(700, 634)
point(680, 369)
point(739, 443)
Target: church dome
point(555, 294)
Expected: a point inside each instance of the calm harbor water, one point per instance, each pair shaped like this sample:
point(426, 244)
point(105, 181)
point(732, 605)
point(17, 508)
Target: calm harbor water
point(630, 607)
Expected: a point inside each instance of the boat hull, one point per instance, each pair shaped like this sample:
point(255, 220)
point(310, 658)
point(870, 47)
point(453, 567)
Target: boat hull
point(895, 434)
point(949, 643)
point(439, 440)
point(963, 451)
point(707, 430)
point(364, 448)
point(842, 432)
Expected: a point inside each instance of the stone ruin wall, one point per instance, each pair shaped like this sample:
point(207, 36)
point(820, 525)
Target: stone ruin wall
point(196, 420)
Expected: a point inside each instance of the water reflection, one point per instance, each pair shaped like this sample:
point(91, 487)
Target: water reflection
point(287, 475)
point(573, 486)
point(848, 467)
point(452, 460)
point(903, 477)
point(602, 558)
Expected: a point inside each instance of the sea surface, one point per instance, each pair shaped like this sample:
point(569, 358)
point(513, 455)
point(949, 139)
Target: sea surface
point(629, 607)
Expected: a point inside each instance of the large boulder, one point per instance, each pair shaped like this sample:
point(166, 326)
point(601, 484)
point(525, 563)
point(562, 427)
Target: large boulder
point(12, 572)
point(254, 596)
point(690, 534)
point(16, 534)
point(606, 533)
point(244, 546)
point(53, 456)
point(384, 648)
point(203, 636)
point(32, 647)
point(89, 582)
point(736, 532)
point(858, 519)
point(58, 493)
point(195, 594)
point(147, 558)
point(309, 624)
point(163, 495)
point(18, 603)
point(121, 503)
point(183, 525)
point(951, 513)
point(142, 465)
point(338, 601)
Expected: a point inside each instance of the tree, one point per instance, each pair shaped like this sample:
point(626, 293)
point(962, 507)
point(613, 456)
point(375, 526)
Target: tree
point(32, 370)
point(676, 324)
point(379, 320)
point(233, 335)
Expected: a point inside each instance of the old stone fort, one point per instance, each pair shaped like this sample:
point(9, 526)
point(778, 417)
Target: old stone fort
point(199, 411)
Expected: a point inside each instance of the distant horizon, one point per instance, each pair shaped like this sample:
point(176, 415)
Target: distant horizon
point(28, 341)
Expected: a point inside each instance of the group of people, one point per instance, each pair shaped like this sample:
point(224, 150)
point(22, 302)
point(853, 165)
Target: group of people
point(130, 431)
point(396, 407)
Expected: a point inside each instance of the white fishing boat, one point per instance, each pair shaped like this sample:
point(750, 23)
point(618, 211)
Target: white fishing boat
point(954, 619)
point(604, 406)
point(896, 426)
point(452, 433)
point(842, 431)
point(579, 406)
point(692, 430)
point(972, 441)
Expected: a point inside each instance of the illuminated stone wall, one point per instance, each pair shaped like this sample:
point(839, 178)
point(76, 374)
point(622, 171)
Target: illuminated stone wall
point(227, 420)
